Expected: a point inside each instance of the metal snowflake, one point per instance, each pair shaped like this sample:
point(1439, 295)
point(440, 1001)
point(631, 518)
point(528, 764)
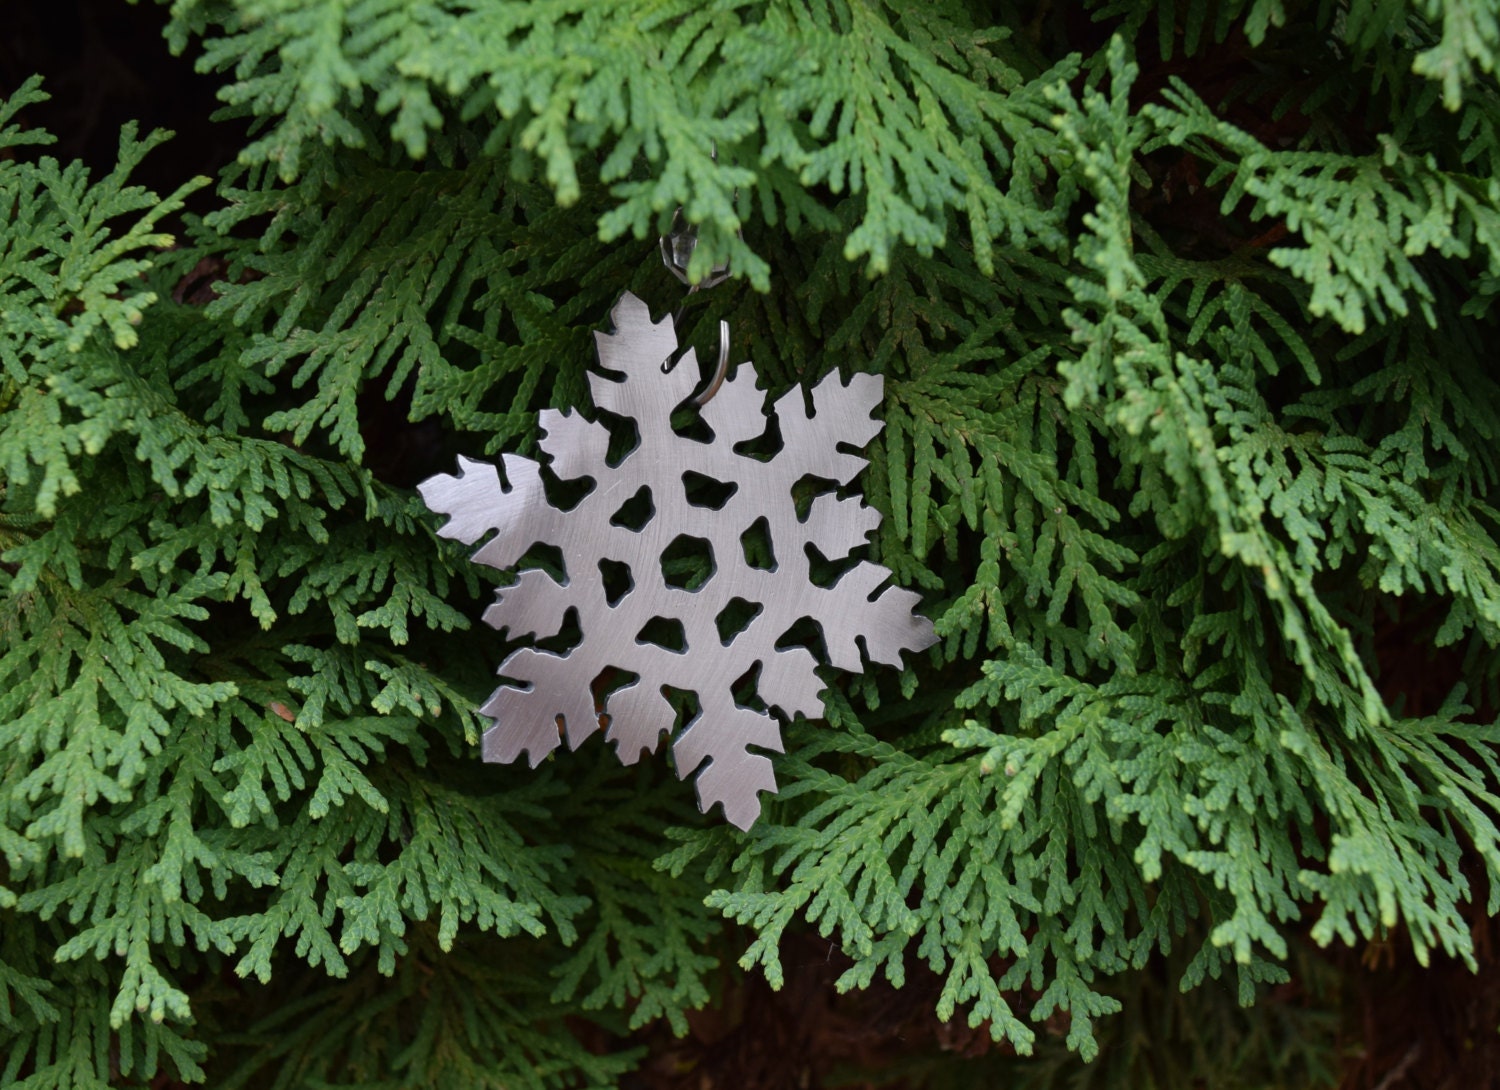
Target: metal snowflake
point(622, 584)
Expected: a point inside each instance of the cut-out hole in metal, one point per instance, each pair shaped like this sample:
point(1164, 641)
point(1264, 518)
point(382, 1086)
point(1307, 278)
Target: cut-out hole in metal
point(688, 423)
point(706, 492)
point(756, 542)
point(687, 563)
point(545, 557)
point(665, 632)
point(685, 705)
point(617, 580)
point(746, 690)
point(564, 495)
point(569, 636)
point(610, 680)
point(735, 617)
point(805, 633)
point(807, 489)
point(635, 512)
point(764, 446)
point(825, 573)
point(624, 437)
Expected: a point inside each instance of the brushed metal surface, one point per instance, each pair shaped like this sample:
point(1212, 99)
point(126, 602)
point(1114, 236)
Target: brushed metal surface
point(556, 702)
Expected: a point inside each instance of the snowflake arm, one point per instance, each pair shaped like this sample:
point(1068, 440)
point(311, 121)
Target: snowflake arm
point(842, 413)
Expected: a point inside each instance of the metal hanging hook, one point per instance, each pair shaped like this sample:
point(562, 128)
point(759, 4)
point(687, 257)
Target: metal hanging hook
point(720, 369)
point(677, 248)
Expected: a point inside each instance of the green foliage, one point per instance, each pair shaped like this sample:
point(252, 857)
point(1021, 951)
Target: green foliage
point(1184, 312)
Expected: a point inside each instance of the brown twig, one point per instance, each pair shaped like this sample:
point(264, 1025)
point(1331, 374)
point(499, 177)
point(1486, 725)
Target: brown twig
point(1397, 1073)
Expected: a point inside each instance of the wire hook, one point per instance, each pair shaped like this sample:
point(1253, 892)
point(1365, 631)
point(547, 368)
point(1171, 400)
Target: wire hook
point(720, 369)
point(677, 248)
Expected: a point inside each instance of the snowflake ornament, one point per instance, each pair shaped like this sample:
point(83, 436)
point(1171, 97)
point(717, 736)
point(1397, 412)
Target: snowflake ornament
point(702, 498)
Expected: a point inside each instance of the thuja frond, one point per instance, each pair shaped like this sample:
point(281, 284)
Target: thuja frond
point(741, 106)
point(184, 791)
point(1188, 440)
